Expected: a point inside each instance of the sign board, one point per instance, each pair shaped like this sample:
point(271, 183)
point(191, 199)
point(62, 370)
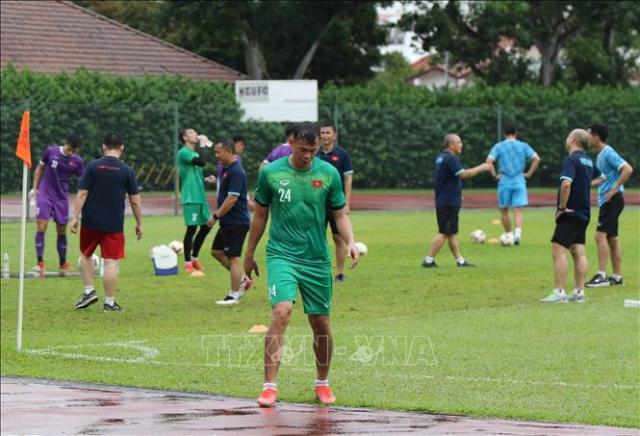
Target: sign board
point(278, 100)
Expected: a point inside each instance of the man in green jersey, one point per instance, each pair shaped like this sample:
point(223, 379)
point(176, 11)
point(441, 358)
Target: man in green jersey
point(297, 190)
point(194, 200)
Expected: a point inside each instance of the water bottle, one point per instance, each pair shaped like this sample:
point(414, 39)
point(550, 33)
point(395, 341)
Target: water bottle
point(32, 198)
point(5, 266)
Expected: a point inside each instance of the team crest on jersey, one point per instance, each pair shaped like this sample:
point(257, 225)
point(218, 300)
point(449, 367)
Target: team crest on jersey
point(284, 182)
point(335, 158)
point(316, 183)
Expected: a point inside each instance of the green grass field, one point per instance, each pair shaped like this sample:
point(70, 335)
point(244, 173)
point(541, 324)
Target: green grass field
point(462, 341)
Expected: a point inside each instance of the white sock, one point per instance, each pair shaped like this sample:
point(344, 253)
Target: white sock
point(324, 382)
point(518, 233)
point(110, 300)
point(616, 276)
point(273, 386)
point(602, 274)
point(559, 290)
point(460, 259)
point(578, 291)
point(429, 259)
point(235, 294)
point(88, 290)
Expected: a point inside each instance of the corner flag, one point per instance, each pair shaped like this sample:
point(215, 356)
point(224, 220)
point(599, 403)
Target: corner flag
point(23, 151)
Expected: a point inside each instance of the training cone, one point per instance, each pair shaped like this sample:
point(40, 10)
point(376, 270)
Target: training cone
point(495, 222)
point(493, 241)
point(197, 274)
point(258, 328)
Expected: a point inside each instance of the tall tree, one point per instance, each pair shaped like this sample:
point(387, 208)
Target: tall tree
point(272, 39)
point(473, 31)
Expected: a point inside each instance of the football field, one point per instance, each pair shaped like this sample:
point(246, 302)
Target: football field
point(472, 341)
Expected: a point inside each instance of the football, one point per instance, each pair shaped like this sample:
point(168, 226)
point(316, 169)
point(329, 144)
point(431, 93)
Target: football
point(362, 248)
point(478, 236)
point(94, 259)
point(176, 246)
point(507, 239)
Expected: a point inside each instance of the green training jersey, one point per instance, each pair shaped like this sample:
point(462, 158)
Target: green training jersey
point(298, 200)
point(191, 177)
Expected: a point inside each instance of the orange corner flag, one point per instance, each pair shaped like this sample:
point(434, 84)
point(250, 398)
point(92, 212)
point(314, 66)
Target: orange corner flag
point(23, 150)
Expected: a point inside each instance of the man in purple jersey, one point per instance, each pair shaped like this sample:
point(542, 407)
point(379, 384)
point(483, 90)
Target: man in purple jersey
point(282, 150)
point(51, 190)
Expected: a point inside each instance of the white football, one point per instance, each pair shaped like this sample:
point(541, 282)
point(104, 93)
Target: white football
point(507, 239)
point(362, 248)
point(94, 259)
point(478, 236)
point(176, 246)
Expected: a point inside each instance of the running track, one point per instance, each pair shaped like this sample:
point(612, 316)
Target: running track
point(162, 204)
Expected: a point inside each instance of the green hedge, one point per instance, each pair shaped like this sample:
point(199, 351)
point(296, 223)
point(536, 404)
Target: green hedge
point(393, 134)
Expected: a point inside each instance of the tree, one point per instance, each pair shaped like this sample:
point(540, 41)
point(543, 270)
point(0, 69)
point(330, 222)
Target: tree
point(395, 71)
point(474, 34)
point(271, 39)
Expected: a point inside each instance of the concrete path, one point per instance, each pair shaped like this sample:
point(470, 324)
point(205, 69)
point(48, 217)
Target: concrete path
point(47, 407)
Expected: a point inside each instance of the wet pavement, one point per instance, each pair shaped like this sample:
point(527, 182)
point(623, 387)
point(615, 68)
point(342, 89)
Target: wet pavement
point(48, 407)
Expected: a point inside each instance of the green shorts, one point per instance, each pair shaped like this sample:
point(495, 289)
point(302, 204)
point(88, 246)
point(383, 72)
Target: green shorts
point(285, 277)
point(195, 214)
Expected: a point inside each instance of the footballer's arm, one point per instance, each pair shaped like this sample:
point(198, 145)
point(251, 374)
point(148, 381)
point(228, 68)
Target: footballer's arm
point(472, 172)
point(224, 208)
point(136, 207)
point(491, 168)
point(346, 232)
point(563, 197)
point(258, 225)
point(78, 204)
point(37, 176)
point(535, 162)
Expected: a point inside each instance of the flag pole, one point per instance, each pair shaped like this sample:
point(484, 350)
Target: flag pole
point(23, 229)
point(23, 151)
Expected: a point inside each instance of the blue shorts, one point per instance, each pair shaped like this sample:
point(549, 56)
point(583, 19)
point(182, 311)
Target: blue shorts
point(512, 195)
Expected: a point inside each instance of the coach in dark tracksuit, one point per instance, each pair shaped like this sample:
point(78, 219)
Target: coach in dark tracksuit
point(572, 218)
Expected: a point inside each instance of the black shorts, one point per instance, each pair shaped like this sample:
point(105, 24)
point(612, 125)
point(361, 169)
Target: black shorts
point(609, 214)
point(448, 219)
point(331, 220)
point(230, 239)
point(570, 230)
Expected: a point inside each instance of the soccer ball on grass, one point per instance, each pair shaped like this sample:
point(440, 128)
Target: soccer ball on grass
point(176, 246)
point(478, 236)
point(507, 239)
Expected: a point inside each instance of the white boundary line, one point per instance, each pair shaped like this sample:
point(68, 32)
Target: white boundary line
point(149, 354)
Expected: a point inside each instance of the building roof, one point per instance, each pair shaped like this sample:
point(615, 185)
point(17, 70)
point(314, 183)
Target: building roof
point(53, 36)
point(423, 67)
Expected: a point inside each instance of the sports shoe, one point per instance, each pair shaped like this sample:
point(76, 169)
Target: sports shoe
point(111, 308)
point(245, 284)
point(65, 267)
point(465, 264)
point(87, 300)
point(426, 264)
point(268, 398)
point(231, 299)
point(597, 281)
point(577, 297)
point(555, 297)
point(516, 241)
point(188, 267)
point(339, 278)
point(324, 395)
point(39, 268)
point(196, 265)
point(614, 282)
